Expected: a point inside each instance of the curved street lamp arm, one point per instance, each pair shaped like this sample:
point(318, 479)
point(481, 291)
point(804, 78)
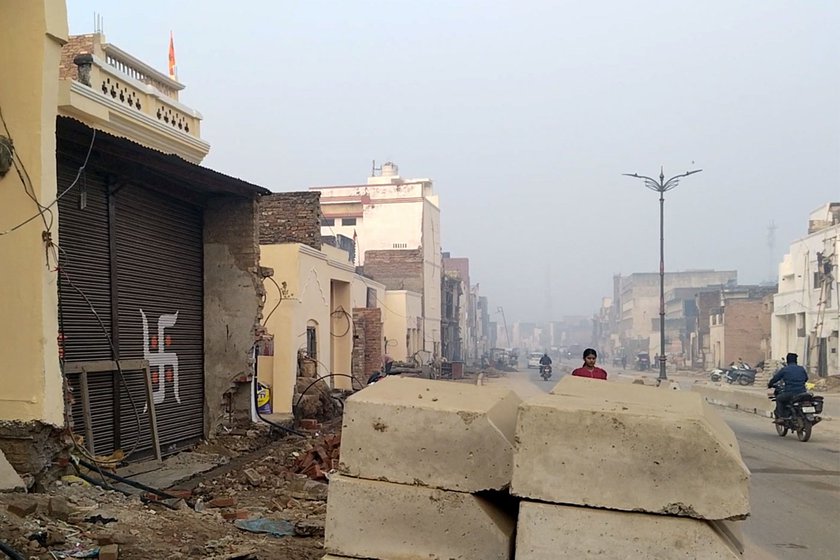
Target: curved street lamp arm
point(637, 176)
point(650, 182)
point(675, 180)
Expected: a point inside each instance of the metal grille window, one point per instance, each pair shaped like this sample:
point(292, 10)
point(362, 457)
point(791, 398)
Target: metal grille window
point(312, 342)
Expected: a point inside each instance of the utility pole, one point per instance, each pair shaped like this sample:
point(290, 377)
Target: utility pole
point(662, 186)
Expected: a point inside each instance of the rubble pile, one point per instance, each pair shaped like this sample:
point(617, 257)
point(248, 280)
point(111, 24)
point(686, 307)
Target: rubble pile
point(257, 509)
point(828, 384)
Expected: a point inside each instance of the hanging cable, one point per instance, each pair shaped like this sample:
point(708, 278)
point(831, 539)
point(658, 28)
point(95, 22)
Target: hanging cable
point(338, 312)
point(29, 189)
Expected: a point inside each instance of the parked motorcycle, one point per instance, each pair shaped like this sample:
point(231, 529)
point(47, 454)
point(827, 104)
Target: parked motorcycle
point(803, 413)
point(740, 375)
point(545, 372)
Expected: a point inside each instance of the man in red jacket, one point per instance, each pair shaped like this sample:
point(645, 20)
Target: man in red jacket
point(589, 369)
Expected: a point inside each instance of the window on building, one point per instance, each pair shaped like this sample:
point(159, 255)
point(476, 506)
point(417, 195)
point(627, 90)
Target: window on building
point(327, 221)
point(311, 343)
point(400, 246)
point(348, 221)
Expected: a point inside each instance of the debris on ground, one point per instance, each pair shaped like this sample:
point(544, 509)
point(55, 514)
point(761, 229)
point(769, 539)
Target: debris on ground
point(277, 486)
point(320, 459)
point(829, 384)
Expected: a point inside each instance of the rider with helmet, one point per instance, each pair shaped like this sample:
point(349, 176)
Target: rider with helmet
point(794, 377)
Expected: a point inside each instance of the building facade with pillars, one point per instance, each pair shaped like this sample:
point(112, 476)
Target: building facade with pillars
point(143, 260)
point(391, 213)
point(806, 316)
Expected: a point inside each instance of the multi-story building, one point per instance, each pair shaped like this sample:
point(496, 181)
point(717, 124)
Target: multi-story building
point(400, 219)
point(806, 316)
point(638, 304)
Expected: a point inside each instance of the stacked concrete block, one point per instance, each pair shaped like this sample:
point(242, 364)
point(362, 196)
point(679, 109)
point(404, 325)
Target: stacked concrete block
point(372, 519)
point(663, 458)
point(548, 532)
point(414, 455)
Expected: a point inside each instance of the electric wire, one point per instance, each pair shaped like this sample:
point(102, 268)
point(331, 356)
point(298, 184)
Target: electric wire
point(341, 311)
point(279, 301)
point(28, 188)
point(11, 552)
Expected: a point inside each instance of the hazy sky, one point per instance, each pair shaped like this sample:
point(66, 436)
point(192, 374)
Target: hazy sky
point(525, 114)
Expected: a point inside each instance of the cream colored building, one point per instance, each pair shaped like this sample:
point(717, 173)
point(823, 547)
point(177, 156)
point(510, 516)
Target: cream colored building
point(313, 316)
point(392, 213)
point(31, 36)
point(806, 315)
point(402, 324)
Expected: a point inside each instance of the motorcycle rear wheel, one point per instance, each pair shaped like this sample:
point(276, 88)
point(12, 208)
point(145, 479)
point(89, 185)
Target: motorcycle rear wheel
point(743, 381)
point(804, 433)
point(781, 430)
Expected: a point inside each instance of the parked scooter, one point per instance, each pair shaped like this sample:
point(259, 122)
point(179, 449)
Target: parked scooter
point(545, 372)
point(741, 376)
point(717, 374)
point(802, 413)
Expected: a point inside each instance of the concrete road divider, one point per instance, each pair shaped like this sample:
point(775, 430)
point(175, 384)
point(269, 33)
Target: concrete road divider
point(372, 519)
point(453, 436)
point(747, 401)
point(629, 447)
point(548, 532)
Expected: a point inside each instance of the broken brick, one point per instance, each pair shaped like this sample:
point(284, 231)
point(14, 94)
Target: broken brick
point(179, 493)
point(222, 502)
point(22, 506)
point(59, 508)
point(109, 552)
point(309, 424)
point(236, 514)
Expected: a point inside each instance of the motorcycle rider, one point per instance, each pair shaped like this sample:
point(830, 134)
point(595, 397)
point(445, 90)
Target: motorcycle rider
point(794, 377)
point(545, 360)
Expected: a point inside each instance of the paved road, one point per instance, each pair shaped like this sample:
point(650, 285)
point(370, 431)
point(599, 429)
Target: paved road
point(795, 487)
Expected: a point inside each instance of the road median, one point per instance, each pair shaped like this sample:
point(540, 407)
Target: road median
point(746, 400)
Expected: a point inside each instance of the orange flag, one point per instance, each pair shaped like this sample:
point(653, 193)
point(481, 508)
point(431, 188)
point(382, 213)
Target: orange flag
point(173, 68)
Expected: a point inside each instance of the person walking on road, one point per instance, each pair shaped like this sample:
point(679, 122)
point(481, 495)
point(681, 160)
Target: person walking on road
point(589, 369)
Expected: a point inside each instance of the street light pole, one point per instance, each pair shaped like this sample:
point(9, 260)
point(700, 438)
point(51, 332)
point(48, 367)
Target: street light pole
point(662, 186)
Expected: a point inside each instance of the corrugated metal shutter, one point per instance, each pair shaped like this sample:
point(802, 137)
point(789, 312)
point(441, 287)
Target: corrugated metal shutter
point(160, 270)
point(85, 260)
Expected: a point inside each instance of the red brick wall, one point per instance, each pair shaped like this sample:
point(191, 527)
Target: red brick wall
point(77, 44)
point(291, 217)
point(398, 269)
point(746, 324)
point(367, 342)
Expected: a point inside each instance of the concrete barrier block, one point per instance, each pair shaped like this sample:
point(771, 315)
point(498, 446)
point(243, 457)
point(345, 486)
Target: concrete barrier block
point(453, 436)
point(629, 447)
point(543, 530)
point(739, 399)
point(372, 519)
